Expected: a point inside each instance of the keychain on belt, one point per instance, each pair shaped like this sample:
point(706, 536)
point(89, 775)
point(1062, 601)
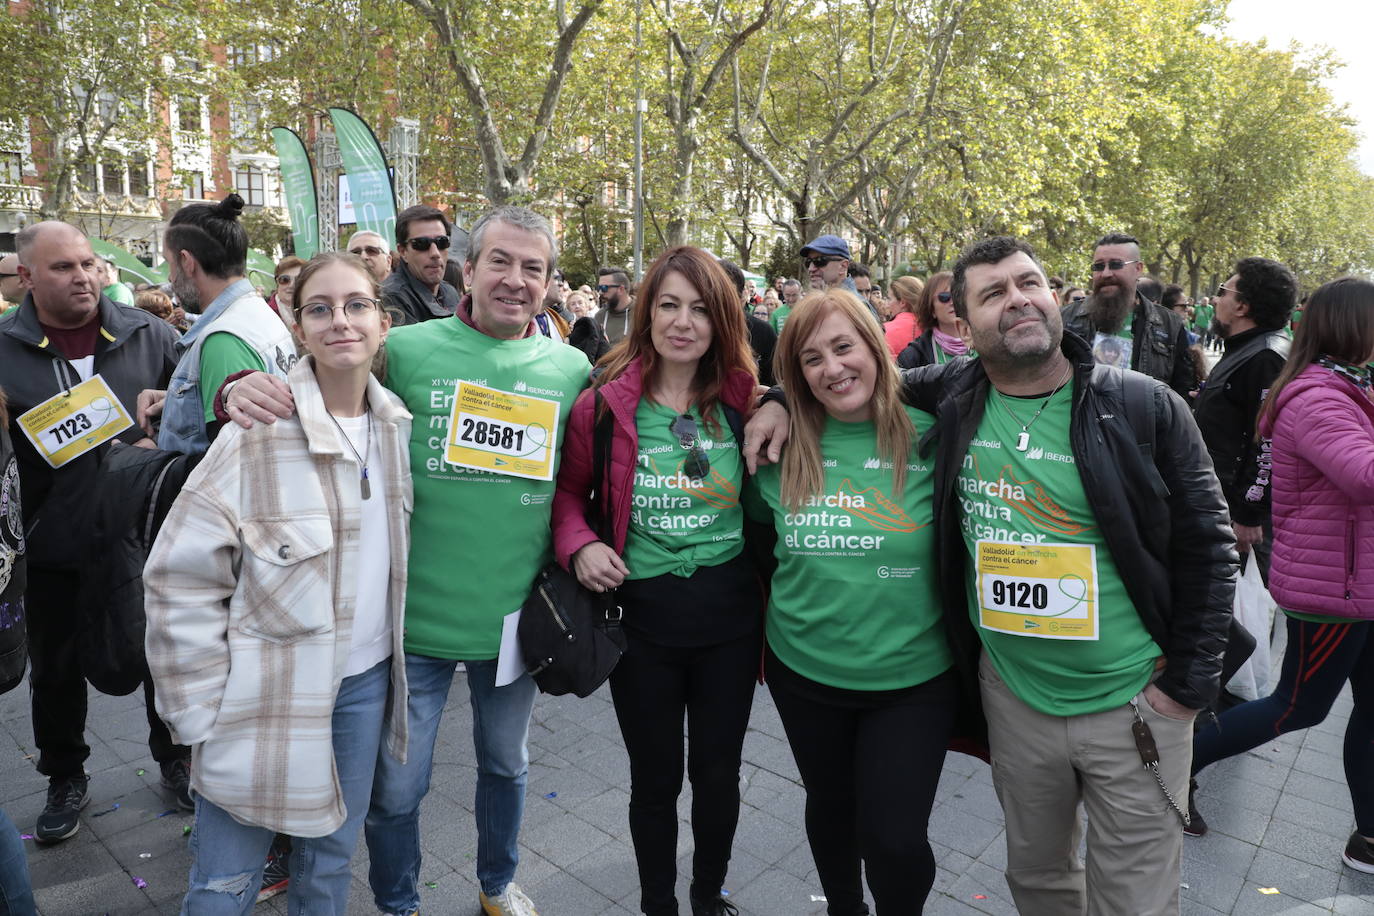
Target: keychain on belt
point(1149, 756)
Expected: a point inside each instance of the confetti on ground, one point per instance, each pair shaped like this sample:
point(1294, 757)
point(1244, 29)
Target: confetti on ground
point(431, 884)
point(815, 898)
point(551, 795)
point(139, 882)
point(145, 855)
point(26, 836)
point(980, 896)
point(186, 831)
point(1269, 890)
point(140, 772)
point(724, 892)
point(167, 812)
point(1186, 887)
point(106, 811)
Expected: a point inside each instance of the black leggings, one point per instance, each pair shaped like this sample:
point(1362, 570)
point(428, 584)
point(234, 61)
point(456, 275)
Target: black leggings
point(653, 686)
point(871, 767)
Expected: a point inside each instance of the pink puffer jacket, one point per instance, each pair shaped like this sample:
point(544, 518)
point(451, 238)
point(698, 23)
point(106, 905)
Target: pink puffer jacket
point(1323, 496)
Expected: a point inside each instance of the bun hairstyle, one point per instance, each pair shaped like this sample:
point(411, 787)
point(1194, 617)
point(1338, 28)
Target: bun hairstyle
point(213, 235)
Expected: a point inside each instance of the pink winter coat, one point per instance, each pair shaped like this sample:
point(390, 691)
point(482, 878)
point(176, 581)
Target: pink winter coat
point(570, 501)
point(900, 331)
point(1323, 496)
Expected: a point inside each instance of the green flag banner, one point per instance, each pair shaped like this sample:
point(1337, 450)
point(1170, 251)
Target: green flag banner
point(374, 200)
point(298, 182)
point(262, 270)
point(129, 266)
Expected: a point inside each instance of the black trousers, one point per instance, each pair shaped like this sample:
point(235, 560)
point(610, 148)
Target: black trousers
point(871, 765)
point(653, 686)
point(57, 687)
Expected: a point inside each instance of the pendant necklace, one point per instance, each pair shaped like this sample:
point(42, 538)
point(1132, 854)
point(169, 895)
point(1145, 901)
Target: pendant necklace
point(1023, 438)
point(363, 483)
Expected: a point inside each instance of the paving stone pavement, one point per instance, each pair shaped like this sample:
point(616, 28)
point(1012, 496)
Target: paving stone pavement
point(1279, 817)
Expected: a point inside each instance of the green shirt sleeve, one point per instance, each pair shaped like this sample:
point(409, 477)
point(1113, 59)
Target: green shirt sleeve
point(221, 356)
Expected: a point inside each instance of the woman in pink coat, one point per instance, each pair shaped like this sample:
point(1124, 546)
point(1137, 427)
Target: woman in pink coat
point(674, 389)
point(1320, 418)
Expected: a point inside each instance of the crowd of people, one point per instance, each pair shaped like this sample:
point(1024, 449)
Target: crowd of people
point(989, 512)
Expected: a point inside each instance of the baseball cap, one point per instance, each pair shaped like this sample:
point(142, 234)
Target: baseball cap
point(830, 245)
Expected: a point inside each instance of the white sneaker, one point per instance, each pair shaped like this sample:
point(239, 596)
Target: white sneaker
point(511, 903)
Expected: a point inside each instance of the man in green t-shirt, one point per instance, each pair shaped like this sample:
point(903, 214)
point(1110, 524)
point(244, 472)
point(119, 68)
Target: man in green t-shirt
point(479, 534)
point(1099, 565)
point(791, 292)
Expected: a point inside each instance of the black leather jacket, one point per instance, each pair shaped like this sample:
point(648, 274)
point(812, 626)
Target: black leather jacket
point(1158, 505)
point(410, 302)
point(1163, 354)
point(1226, 410)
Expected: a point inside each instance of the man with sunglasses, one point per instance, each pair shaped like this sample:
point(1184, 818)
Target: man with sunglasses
point(371, 249)
point(11, 286)
point(1153, 335)
point(828, 265)
point(613, 291)
point(415, 290)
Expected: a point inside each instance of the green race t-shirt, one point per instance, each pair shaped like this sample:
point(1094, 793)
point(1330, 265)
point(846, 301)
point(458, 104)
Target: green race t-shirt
point(1044, 592)
point(1202, 317)
point(477, 538)
point(221, 356)
point(676, 523)
point(855, 598)
point(779, 317)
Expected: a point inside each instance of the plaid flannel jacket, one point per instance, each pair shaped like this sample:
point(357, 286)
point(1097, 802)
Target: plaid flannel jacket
point(250, 594)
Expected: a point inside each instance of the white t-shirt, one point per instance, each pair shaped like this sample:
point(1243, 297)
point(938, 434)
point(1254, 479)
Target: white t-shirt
point(372, 620)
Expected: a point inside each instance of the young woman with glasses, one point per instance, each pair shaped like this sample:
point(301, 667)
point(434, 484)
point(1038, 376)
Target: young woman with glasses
point(275, 593)
point(856, 657)
point(935, 311)
point(674, 390)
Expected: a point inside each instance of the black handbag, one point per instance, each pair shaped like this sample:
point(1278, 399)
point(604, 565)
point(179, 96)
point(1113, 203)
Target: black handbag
point(570, 637)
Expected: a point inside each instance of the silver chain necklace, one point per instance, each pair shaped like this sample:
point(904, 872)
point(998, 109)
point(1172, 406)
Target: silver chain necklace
point(1023, 438)
point(363, 483)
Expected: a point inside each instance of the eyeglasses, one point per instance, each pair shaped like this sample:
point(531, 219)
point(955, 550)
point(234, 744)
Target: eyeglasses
point(1224, 289)
point(3, 274)
point(1077, 298)
point(1113, 264)
point(318, 314)
point(697, 465)
point(373, 251)
point(945, 297)
point(285, 280)
point(604, 287)
point(818, 262)
point(422, 242)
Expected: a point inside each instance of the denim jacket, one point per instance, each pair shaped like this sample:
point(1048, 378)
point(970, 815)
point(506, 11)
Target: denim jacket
point(238, 311)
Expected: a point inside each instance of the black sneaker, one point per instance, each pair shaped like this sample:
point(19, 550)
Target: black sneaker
point(1359, 855)
point(60, 819)
point(714, 905)
point(276, 874)
point(176, 778)
point(1196, 825)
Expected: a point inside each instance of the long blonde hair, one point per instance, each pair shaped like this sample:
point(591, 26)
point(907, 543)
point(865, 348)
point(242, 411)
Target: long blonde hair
point(803, 474)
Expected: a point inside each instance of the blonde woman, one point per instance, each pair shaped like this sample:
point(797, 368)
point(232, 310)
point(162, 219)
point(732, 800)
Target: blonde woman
point(905, 326)
point(855, 655)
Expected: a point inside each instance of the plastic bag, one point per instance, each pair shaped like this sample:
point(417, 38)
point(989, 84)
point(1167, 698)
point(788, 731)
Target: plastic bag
point(1254, 609)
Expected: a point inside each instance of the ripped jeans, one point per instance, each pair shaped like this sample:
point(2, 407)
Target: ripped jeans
point(228, 857)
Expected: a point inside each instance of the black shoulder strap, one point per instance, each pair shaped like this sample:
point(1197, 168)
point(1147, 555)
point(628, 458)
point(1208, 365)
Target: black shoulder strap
point(1138, 403)
point(736, 424)
point(601, 447)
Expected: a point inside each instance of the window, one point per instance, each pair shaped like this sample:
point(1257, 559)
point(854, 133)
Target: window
point(85, 176)
point(195, 186)
point(243, 55)
point(11, 168)
point(248, 181)
point(138, 175)
point(188, 113)
point(112, 176)
point(244, 122)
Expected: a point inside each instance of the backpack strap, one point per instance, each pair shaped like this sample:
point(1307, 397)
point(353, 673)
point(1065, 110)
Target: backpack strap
point(1137, 397)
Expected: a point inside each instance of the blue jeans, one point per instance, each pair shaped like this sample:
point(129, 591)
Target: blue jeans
point(228, 857)
point(16, 892)
point(500, 727)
